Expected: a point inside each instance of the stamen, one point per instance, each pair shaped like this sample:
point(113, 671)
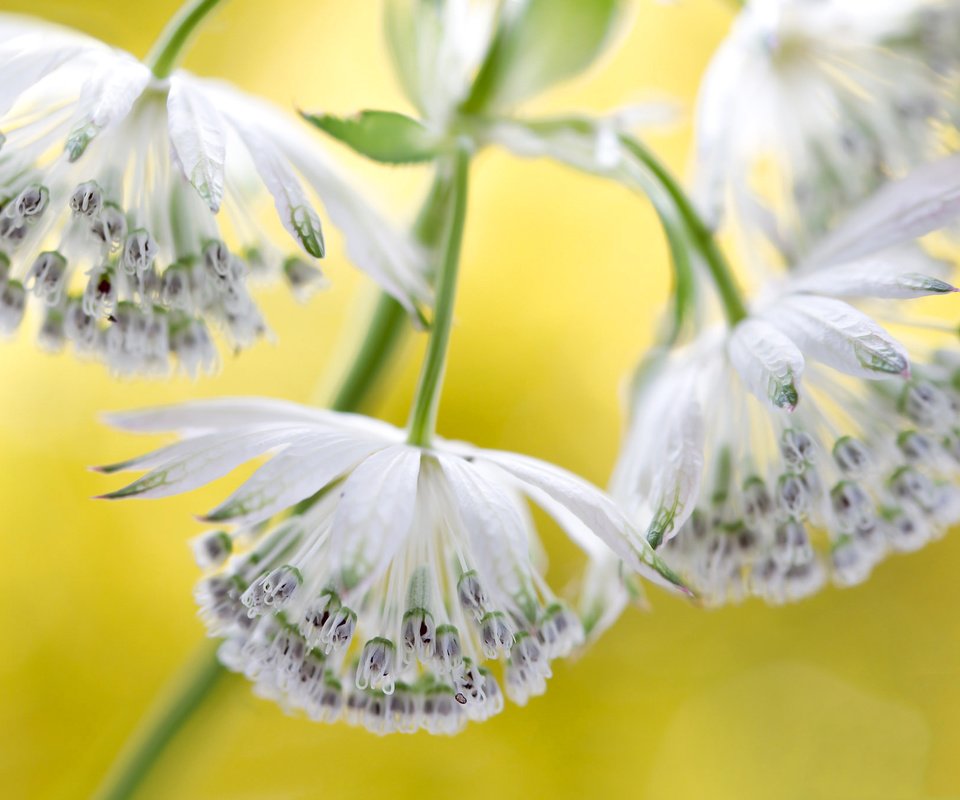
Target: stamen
point(139, 252)
point(87, 200)
point(13, 302)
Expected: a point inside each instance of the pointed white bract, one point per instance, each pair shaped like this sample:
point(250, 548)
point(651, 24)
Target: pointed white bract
point(823, 448)
point(366, 579)
point(810, 106)
point(110, 186)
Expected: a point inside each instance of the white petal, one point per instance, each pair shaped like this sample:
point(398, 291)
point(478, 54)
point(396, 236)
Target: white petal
point(879, 276)
point(106, 97)
point(924, 201)
point(657, 479)
point(298, 472)
point(373, 245)
point(498, 530)
point(390, 258)
point(719, 94)
point(24, 62)
point(768, 362)
point(295, 474)
point(199, 140)
point(294, 207)
point(838, 335)
point(194, 462)
point(375, 512)
point(569, 498)
point(235, 412)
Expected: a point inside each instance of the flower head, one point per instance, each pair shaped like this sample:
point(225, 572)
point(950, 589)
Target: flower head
point(129, 205)
point(804, 443)
point(370, 579)
point(810, 104)
point(488, 56)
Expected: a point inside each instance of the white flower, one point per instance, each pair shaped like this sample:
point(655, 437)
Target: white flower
point(802, 444)
point(120, 192)
point(371, 579)
point(809, 105)
point(478, 57)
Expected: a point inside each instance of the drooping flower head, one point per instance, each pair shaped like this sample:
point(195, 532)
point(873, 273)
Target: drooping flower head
point(130, 206)
point(371, 580)
point(804, 443)
point(809, 105)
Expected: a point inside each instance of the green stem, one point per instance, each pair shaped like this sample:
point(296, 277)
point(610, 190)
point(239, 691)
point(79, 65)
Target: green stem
point(700, 233)
point(194, 684)
point(382, 337)
point(423, 418)
point(166, 51)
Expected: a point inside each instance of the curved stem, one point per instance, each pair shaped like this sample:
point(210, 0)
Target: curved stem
point(166, 51)
point(193, 685)
point(682, 224)
point(700, 233)
point(423, 417)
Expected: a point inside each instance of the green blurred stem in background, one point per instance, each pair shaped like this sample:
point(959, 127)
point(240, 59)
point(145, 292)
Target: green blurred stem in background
point(166, 51)
point(388, 323)
point(195, 682)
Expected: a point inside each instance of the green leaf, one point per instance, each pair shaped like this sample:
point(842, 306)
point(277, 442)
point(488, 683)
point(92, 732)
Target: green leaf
point(383, 136)
point(539, 43)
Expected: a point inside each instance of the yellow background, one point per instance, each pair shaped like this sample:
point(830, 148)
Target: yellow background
point(854, 694)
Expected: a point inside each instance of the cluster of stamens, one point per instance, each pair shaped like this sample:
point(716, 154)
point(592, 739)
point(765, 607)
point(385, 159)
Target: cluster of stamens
point(128, 309)
point(127, 262)
point(830, 510)
point(411, 651)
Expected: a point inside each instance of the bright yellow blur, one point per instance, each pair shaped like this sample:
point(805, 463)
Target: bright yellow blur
point(855, 694)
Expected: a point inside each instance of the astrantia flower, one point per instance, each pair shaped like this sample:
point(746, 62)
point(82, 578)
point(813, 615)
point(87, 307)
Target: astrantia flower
point(129, 205)
point(486, 56)
point(802, 445)
point(810, 104)
point(372, 580)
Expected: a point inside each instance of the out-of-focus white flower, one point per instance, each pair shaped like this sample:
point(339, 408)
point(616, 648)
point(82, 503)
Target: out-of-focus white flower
point(809, 105)
point(802, 444)
point(130, 206)
point(369, 579)
point(481, 57)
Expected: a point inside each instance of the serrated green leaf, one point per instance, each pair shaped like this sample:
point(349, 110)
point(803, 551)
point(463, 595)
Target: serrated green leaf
point(384, 136)
point(539, 43)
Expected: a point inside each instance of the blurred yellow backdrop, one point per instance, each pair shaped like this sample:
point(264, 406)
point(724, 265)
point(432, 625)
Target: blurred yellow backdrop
point(854, 694)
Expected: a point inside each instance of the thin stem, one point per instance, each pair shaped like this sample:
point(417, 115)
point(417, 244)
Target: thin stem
point(166, 51)
point(193, 685)
point(423, 418)
point(700, 233)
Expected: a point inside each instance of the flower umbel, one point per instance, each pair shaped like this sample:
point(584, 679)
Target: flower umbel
point(801, 444)
point(809, 105)
point(112, 184)
point(369, 579)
